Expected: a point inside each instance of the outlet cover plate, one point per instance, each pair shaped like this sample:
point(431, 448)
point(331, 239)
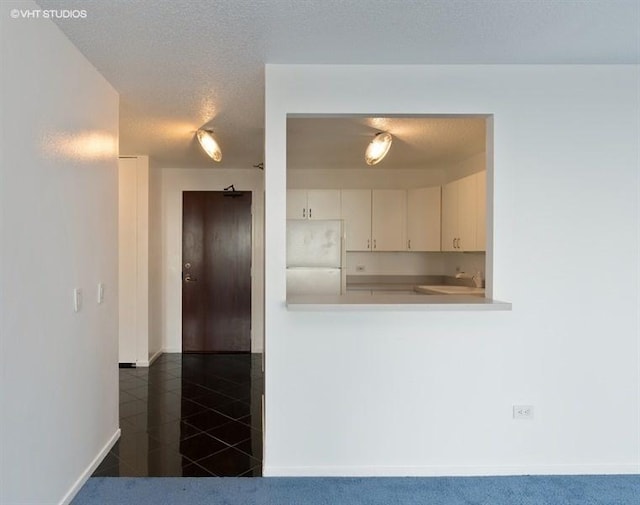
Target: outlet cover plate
point(523, 411)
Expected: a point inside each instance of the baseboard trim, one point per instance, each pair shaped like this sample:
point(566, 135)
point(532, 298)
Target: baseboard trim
point(66, 500)
point(172, 350)
point(155, 357)
point(448, 471)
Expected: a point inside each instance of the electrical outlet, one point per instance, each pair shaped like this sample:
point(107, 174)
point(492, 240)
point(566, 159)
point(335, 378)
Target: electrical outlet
point(523, 411)
point(360, 268)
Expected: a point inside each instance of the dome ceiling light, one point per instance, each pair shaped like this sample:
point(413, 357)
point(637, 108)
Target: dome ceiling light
point(378, 148)
point(209, 144)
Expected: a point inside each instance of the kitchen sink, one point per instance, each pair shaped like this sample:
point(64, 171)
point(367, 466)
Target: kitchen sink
point(450, 290)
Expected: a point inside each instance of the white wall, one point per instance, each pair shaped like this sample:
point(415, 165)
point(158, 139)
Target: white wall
point(59, 391)
point(413, 392)
point(174, 182)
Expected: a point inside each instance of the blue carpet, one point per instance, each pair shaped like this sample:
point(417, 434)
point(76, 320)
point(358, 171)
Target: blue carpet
point(525, 490)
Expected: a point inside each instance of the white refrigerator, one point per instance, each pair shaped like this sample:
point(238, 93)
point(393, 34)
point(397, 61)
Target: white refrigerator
point(315, 257)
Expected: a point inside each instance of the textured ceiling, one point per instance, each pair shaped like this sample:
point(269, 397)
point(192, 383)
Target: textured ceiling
point(184, 63)
point(418, 142)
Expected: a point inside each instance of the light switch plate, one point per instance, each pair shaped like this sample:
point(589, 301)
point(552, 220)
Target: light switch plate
point(77, 299)
point(100, 292)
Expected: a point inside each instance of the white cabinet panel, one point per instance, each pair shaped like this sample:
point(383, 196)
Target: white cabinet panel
point(481, 211)
point(449, 216)
point(423, 219)
point(313, 204)
point(296, 204)
point(388, 219)
point(467, 213)
point(323, 203)
point(356, 213)
point(463, 214)
point(133, 254)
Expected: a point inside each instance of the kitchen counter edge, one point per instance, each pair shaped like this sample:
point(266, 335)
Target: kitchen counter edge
point(356, 301)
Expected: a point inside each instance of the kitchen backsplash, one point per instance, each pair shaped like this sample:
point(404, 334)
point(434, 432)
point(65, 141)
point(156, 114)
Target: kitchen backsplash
point(413, 263)
point(470, 263)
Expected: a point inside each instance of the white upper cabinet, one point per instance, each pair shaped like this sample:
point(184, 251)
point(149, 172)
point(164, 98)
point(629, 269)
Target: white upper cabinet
point(356, 213)
point(313, 204)
point(449, 216)
point(423, 219)
point(463, 214)
point(481, 211)
point(324, 203)
point(388, 219)
point(297, 204)
point(467, 213)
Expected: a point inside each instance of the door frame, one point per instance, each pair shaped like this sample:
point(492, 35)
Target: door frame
point(222, 199)
point(174, 182)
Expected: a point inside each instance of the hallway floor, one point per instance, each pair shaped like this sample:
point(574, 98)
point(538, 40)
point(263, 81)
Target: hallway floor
point(191, 415)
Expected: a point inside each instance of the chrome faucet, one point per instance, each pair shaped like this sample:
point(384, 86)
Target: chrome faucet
point(477, 278)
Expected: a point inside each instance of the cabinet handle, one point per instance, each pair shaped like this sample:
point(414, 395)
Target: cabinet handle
point(454, 243)
point(368, 243)
point(458, 243)
point(309, 212)
point(374, 243)
point(409, 244)
point(304, 213)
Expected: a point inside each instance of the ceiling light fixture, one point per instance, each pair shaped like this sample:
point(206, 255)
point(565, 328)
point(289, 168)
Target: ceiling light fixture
point(378, 148)
point(209, 144)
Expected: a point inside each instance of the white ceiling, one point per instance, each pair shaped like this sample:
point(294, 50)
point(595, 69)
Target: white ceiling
point(182, 64)
point(418, 142)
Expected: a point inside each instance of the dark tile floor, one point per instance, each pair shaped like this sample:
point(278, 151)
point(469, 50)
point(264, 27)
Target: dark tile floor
point(191, 415)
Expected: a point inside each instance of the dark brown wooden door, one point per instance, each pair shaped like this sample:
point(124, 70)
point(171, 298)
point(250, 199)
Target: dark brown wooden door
point(216, 272)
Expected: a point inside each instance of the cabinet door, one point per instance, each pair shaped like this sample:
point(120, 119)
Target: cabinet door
point(467, 213)
point(423, 219)
point(449, 216)
point(356, 213)
point(323, 204)
point(481, 211)
point(296, 204)
point(388, 219)
point(128, 264)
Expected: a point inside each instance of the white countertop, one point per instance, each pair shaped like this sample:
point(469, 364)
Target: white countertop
point(449, 290)
point(388, 301)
